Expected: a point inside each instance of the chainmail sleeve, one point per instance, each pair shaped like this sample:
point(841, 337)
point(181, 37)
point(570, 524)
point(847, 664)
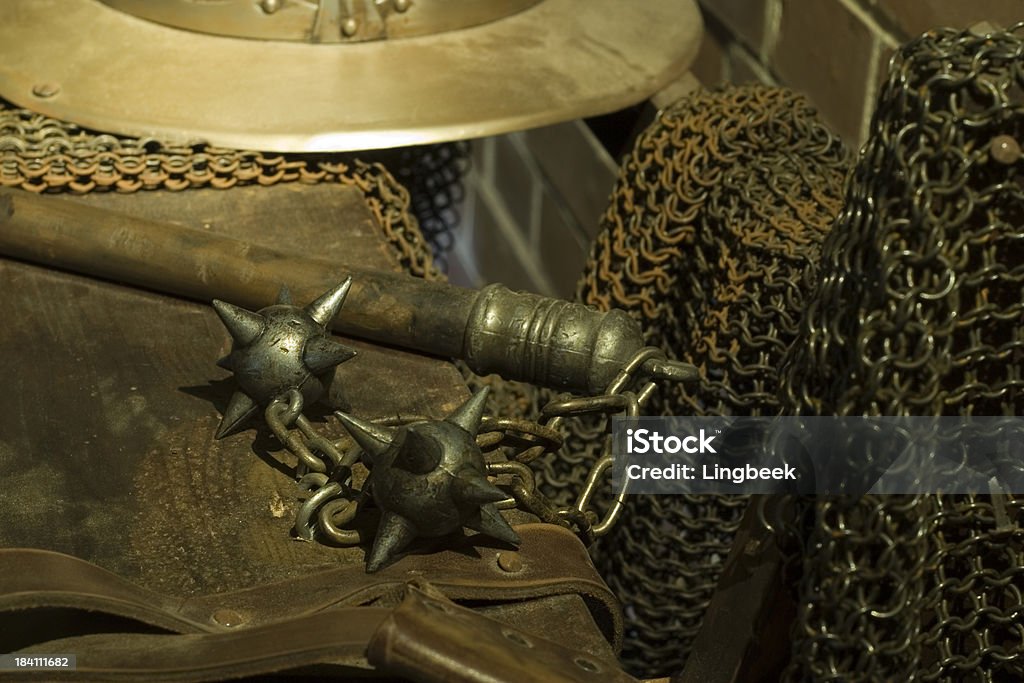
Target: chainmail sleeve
point(713, 228)
point(917, 310)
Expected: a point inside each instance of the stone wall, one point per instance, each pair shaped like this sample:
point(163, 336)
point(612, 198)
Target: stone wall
point(835, 51)
point(534, 198)
point(533, 202)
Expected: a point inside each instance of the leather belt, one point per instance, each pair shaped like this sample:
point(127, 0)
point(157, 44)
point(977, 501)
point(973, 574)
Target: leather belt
point(327, 617)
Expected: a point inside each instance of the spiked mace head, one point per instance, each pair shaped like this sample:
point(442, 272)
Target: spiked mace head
point(280, 348)
point(429, 479)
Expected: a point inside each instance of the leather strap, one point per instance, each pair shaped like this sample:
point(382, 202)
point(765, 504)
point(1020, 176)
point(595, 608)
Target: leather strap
point(549, 562)
point(425, 639)
point(31, 578)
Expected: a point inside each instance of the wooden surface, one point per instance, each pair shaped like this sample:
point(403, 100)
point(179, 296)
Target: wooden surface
point(111, 399)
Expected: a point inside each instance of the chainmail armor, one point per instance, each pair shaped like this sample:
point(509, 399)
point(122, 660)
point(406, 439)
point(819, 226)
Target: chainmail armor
point(714, 223)
point(42, 154)
point(433, 175)
point(918, 311)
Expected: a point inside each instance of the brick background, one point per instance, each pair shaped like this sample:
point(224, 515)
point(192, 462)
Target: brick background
point(533, 204)
point(912, 17)
point(747, 20)
point(535, 198)
point(834, 51)
point(823, 47)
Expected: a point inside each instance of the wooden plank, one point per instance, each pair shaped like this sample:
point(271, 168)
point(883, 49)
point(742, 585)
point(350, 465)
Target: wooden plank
point(106, 426)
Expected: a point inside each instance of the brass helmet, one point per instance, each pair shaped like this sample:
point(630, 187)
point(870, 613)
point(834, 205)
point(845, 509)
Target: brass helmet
point(336, 75)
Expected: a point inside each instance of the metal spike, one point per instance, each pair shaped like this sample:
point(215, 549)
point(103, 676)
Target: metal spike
point(225, 363)
point(240, 408)
point(493, 524)
point(393, 535)
point(469, 414)
point(244, 326)
point(373, 438)
point(476, 489)
point(323, 353)
point(326, 307)
point(284, 295)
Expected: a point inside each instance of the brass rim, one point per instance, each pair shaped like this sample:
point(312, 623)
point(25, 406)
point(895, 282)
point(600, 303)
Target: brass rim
point(85, 62)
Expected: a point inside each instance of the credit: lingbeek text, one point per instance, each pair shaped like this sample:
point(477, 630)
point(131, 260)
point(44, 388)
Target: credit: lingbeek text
point(737, 475)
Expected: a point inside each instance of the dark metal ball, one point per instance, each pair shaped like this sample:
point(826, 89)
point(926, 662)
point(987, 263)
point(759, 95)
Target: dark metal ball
point(425, 497)
point(273, 364)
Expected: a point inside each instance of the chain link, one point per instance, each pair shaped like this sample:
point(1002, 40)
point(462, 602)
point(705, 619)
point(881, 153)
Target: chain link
point(617, 401)
point(41, 154)
point(324, 471)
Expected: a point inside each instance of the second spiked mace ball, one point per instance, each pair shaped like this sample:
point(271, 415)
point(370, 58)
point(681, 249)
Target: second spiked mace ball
point(430, 479)
point(280, 348)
